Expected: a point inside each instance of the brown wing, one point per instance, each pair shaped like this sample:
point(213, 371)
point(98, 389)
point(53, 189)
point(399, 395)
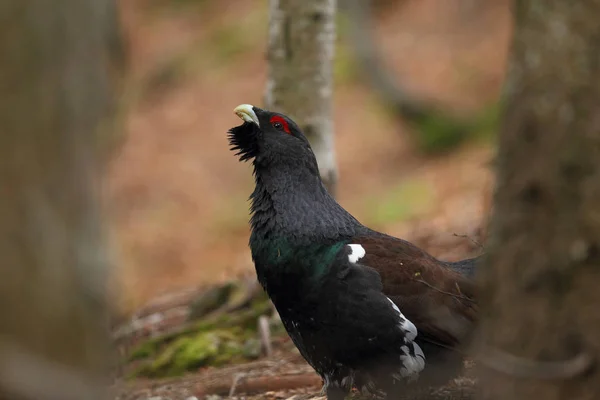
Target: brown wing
point(439, 301)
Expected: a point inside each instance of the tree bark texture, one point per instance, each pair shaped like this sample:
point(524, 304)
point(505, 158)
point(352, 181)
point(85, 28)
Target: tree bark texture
point(541, 324)
point(300, 82)
point(55, 93)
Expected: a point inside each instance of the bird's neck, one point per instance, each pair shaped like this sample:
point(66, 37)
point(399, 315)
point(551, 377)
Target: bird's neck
point(297, 229)
point(292, 203)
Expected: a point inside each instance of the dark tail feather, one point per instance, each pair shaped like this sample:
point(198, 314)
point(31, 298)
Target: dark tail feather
point(465, 267)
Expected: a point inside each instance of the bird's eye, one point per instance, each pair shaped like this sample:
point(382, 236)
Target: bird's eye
point(280, 124)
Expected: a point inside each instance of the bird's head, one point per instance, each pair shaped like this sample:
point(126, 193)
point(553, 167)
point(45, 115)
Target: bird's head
point(270, 139)
point(289, 199)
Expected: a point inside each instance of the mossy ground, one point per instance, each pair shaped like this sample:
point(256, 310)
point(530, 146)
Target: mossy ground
point(223, 332)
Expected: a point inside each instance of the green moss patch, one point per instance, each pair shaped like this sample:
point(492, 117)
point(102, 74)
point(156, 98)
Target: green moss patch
point(202, 349)
point(222, 331)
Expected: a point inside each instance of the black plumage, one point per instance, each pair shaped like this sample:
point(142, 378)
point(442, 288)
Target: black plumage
point(365, 309)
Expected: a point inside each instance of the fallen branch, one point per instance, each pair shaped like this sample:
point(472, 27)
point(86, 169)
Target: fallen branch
point(260, 384)
point(521, 367)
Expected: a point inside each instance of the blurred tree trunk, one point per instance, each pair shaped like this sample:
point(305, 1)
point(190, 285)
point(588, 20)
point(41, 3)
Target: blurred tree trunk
point(300, 83)
point(55, 92)
point(542, 282)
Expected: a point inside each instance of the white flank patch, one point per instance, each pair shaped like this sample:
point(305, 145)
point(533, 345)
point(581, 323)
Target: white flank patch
point(356, 253)
point(411, 365)
point(405, 324)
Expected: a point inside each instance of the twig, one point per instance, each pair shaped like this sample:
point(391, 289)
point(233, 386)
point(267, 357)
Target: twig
point(236, 379)
point(264, 329)
point(475, 242)
point(457, 296)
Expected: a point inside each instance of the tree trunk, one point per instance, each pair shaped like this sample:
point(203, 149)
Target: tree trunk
point(54, 95)
point(541, 325)
point(300, 83)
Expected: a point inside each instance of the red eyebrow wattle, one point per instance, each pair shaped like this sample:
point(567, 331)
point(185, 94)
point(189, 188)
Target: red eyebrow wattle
point(282, 121)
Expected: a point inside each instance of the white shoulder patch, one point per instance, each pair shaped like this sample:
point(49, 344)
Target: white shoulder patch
point(356, 253)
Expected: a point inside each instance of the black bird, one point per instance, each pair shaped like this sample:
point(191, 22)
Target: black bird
point(366, 310)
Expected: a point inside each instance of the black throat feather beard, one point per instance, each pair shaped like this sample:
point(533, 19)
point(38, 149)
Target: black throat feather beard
point(243, 140)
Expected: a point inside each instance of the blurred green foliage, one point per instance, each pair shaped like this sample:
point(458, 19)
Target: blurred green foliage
point(401, 202)
point(345, 69)
point(435, 131)
point(438, 132)
point(161, 6)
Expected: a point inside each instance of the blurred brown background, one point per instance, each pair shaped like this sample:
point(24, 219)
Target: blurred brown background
point(178, 196)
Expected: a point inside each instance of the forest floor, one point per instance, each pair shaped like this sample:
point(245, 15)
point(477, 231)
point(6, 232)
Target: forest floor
point(178, 196)
point(211, 343)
